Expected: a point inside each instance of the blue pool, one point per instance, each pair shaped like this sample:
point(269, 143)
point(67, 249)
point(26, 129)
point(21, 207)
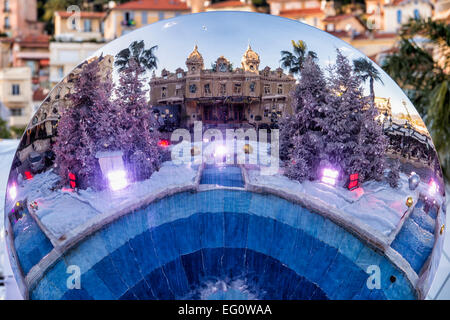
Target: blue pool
point(219, 244)
point(226, 176)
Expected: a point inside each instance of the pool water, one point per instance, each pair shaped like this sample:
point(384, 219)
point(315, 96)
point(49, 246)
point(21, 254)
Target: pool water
point(222, 175)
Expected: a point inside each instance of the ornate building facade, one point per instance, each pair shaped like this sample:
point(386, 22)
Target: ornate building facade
point(223, 94)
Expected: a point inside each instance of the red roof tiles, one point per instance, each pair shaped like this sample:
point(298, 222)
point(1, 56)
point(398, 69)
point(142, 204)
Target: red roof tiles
point(152, 5)
point(229, 3)
point(301, 12)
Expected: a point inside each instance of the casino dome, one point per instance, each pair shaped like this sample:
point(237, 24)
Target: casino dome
point(272, 171)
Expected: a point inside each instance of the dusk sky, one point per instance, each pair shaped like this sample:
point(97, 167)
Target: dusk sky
point(229, 33)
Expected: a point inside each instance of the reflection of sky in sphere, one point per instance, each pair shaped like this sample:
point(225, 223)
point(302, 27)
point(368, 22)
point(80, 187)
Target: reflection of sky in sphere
point(228, 34)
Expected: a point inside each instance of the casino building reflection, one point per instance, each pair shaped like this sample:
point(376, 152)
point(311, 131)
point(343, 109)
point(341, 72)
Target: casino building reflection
point(224, 94)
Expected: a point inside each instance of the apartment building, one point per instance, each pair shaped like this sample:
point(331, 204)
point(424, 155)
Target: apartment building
point(129, 16)
point(16, 95)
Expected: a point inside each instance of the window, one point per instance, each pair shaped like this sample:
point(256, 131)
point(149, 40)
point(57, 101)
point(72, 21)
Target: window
point(237, 88)
point(192, 88)
point(7, 25)
point(160, 15)
point(179, 75)
point(223, 89)
point(7, 9)
point(416, 14)
point(252, 87)
point(16, 112)
point(87, 25)
point(60, 72)
point(163, 92)
point(207, 89)
point(15, 89)
point(144, 17)
point(266, 89)
point(280, 89)
point(330, 27)
point(399, 16)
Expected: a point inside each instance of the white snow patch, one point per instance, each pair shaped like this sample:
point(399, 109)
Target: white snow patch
point(62, 211)
point(375, 204)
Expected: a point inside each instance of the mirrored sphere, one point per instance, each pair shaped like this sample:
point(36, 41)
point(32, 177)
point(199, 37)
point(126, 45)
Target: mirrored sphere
point(225, 156)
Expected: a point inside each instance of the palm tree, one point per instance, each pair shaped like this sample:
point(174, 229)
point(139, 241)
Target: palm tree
point(144, 57)
point(365, 70)
point(293, 61)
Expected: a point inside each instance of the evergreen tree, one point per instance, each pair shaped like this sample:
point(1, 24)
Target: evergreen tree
point(334, 124)
point(75, 147)
point(353, 136)
point(301, 134)
point(139, 134)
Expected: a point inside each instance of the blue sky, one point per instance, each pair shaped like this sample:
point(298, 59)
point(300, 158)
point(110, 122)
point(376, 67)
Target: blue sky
point(229, 33)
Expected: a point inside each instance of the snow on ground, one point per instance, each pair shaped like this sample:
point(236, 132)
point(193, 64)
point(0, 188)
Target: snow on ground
point(62, 211)
point(374, 203)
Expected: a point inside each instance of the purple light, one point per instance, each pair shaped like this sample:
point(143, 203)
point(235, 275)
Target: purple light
point(432, 187)
point(12, 191)
point(117, 180)
point(329, 176)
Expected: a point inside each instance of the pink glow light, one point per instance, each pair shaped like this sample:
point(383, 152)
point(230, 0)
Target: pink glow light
point(433, 187)
point(117, 180)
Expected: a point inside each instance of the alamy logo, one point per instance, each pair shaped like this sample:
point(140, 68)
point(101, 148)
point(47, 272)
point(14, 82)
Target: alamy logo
point(74, 280)
point(374, 280)
point(239, 146)
point(74, 21)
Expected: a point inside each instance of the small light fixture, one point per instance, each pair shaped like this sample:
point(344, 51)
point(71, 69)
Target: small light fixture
point(329, 176)
point(353, 183)
point(28, 175)
point(117, 180)
point(72, 180)
point(220, 151)
point(409, 202)
point(163, 143)
point(432, 187)
point(12, 191)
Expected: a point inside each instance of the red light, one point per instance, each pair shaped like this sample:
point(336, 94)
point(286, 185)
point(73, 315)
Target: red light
point(28, 175)
point(353, 184)
point(163, 143)
point(72, 180)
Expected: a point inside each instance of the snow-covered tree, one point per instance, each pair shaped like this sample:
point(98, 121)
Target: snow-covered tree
point(354, 140)
point(139, 134)
point(333, 123)
point(83, 128)
point(301, 134)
